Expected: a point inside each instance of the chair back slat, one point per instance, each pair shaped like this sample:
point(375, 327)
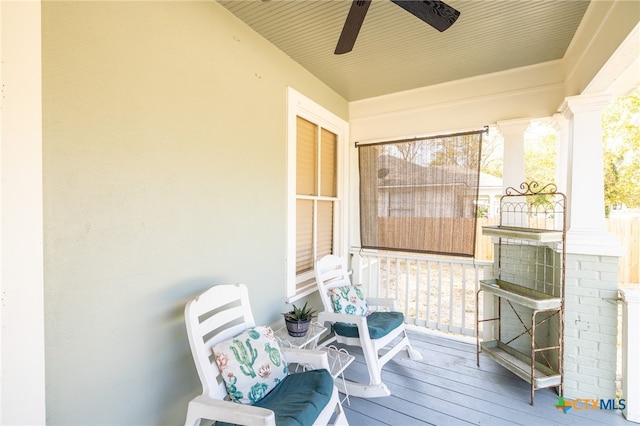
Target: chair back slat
point(221, 312)
point(221, 320)
point(331, 272)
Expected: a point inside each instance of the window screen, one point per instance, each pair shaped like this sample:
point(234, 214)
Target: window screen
point(419, 195)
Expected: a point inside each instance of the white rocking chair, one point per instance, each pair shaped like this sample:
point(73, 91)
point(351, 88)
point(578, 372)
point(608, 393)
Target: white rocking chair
point(373, 333)
point(222, 313)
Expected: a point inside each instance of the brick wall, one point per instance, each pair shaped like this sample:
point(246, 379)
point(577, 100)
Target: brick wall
point(591, 318)
point(591, 313)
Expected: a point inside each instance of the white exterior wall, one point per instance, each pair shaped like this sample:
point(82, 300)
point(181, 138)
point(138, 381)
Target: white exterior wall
point(631, 352)
point(22, 350)
point(156, 188)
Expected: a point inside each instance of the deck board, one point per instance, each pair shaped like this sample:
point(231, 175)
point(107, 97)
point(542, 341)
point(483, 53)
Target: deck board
point(447, 388)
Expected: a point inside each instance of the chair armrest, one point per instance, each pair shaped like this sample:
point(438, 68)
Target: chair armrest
point(335, 317)
point(314, 359)
point(359, 320)
point(204, 407)
point(385, 302)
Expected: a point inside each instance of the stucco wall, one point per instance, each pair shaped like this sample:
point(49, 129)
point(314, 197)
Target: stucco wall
point(164, 163)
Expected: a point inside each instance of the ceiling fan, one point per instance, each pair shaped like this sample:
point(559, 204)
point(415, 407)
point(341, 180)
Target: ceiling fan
point(434, 12)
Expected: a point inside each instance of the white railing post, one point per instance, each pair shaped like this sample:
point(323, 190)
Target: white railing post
point(489, 310)
point(631, 353)
point(356, 268)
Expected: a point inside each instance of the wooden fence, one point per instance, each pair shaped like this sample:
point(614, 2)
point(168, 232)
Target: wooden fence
point(627, 230)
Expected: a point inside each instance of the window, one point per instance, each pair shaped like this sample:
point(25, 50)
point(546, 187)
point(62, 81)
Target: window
point(316, 187)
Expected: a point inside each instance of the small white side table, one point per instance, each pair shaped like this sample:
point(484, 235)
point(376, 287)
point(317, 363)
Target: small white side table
point(308, 341)
point(339, 359)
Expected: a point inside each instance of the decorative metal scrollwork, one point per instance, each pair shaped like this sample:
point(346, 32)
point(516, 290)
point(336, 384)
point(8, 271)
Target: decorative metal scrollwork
point(531, 188)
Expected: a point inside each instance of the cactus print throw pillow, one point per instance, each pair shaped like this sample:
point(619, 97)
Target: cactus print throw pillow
point(349, 300)
point(251, 364)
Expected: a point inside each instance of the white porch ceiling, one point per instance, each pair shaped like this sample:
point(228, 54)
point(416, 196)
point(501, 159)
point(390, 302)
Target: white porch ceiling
point(396, 51)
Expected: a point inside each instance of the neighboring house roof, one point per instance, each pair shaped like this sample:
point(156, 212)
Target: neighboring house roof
point(490, 181)
point(397, 172)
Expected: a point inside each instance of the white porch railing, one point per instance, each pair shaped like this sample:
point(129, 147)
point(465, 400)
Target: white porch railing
point(433, 292)
point(439, 293)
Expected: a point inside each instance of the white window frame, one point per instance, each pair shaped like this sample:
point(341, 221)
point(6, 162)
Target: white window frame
point(299, 105)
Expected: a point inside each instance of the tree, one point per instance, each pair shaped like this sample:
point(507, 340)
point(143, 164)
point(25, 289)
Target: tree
point(410, 151)
point(492, 149)
point(461, 150)
point(540, 154)
point(621, 151)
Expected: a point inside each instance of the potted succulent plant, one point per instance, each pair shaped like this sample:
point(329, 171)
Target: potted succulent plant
point(298, 320)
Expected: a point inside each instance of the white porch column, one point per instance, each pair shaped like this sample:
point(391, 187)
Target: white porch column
point(587, 232)
point(631, 353)
point(592, 254)
point(513, 163)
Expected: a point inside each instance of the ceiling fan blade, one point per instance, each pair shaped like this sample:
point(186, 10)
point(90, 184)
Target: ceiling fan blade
point(352, 26)
point(434, 12)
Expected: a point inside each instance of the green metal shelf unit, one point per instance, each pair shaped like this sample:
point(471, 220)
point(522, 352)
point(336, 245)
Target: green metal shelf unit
point(527, 316)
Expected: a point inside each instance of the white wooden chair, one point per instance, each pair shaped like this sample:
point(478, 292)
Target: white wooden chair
point(216, 317)
point(375, 332)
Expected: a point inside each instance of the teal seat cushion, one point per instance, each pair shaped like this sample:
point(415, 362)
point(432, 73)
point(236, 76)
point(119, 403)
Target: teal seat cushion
point(378, 323)
point(299, 398)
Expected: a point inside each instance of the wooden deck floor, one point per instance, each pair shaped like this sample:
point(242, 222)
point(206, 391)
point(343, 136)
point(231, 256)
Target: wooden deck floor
point(447, 388)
